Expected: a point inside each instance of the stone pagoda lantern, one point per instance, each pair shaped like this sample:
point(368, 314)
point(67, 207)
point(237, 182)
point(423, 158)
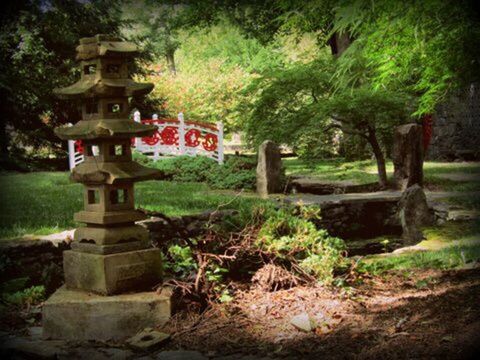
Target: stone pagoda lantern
point(111, 254)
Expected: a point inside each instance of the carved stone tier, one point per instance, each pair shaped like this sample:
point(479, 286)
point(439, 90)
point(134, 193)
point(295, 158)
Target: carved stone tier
point(110, 249)
point(109, 218)
point(92, 87)
point(110, 235)
point(104, 129)
point(114, 273)
point(112, 173)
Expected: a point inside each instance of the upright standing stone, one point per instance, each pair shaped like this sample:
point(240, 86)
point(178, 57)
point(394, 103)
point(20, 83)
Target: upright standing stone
point(408, 156)
point(269, 169)
point(110, 254)
point(413, 212)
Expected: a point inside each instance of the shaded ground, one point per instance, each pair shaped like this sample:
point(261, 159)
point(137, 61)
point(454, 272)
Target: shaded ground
point(431, 314)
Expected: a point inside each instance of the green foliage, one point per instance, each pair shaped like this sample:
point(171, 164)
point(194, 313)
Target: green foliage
point(284, 106)
point(303, 107)
point(181, 261)
point(292, 235)
point(444, 259)
point(236, 173)
point(15, 292)
point(37, 53)
point(426, 46)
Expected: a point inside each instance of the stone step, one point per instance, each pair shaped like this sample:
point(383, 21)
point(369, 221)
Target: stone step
point(319, 186)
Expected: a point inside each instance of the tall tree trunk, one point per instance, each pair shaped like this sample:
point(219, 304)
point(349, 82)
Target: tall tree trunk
point(377, 151)
point(170, 55)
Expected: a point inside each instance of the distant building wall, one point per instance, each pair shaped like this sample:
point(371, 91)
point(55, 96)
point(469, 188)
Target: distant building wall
point(456, 127)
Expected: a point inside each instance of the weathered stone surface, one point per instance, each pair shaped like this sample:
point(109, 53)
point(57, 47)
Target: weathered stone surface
point(111, 235)
point(311, 185)
point(113, 273)
point(78, 315)
point(148, 339)
point(456, 127)
point(269, 169)
point(110, 249)
point(35, 332)
point(413, 212)
point(97, 353)
point(108, 218)
point(463, 215)
point(303, 322)
point(180, 355)
point(408, 156)
point(39, 260)
point(15, 347)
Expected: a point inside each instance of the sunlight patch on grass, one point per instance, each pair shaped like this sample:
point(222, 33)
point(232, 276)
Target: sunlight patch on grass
point(365, 171)
point(450, 245)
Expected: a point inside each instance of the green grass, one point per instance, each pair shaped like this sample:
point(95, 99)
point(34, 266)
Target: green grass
point(44, 202)
point(365, 171)
point(450, 245)
point(332, 169)
point(446, 258)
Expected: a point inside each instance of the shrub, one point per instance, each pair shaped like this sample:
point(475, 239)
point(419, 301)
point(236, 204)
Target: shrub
point(291, 236)
point(236, 173)
point(16, 292)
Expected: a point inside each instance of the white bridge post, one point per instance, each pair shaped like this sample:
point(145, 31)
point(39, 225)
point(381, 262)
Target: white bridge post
point(156, 152)
point(71, 154)
point(138, 141)
point(181, 133)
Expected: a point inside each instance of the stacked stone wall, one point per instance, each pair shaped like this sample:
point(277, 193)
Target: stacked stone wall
point(456, 127)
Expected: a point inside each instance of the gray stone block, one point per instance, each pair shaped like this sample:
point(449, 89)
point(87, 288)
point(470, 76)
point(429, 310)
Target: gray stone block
point(113, 273)
point(78, 315)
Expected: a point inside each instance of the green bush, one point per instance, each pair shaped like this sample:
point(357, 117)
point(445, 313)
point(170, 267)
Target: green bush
point(16, 292)
point(236, 173)
point(291, 236)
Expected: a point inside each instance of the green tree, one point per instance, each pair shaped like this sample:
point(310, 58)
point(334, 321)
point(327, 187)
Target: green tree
point(302, 104)
point(428, 48)
point(37, 50)
point(155, 25)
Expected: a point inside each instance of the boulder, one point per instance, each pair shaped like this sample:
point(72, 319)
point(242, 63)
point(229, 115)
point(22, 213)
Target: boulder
point(408, 156)
point(413, 213)
point(269, 169)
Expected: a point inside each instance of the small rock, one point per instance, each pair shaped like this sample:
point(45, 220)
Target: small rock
point(303, 322)
point(36, 332)
point(180, 355)
point(463, 215)
point(148, 339)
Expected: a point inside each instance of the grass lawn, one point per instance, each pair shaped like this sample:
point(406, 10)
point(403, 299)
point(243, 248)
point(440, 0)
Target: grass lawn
point(447, 246)
point(44, 202)
point(365, 171)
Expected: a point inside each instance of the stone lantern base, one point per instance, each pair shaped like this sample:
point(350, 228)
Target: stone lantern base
point(113, 273)
point(78, 315)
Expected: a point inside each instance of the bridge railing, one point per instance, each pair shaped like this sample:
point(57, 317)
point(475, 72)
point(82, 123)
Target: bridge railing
point(173, 137)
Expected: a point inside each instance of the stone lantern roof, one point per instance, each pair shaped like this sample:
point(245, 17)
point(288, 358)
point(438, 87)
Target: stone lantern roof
point(105, 45)
point(104, 84)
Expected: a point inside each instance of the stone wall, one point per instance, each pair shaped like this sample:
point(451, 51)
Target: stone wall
point(456, 127)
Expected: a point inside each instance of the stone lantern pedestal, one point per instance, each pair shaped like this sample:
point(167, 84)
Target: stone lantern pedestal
point(112, 268)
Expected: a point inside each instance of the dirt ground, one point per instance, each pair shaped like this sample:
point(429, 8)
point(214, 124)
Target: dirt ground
point(426, 314)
